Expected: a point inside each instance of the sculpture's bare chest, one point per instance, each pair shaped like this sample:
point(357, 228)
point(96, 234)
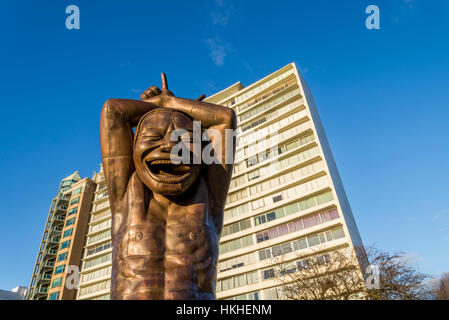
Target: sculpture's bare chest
point(168, 245)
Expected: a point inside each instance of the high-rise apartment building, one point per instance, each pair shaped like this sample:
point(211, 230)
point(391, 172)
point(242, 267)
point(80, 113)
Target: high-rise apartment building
point(286, 197)
point(95, 275)
point(62, 241)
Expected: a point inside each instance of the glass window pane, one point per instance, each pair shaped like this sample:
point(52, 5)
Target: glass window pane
point(333, 214)
point(286, 248)
point(276, 251)
point(293, 208)
point(271, 216)
point(274, 233)
point(313, 241)
point(283, 230)
point(338, 233)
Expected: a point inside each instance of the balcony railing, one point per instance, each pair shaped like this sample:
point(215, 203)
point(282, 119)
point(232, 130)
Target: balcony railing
point(42, 290)
point(63, 198)
point(45, 277)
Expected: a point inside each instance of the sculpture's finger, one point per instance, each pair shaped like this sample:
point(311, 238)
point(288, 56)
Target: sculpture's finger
point(164, 82)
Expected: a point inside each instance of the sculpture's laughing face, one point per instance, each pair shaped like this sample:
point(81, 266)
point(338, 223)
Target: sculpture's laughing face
point(152, 149)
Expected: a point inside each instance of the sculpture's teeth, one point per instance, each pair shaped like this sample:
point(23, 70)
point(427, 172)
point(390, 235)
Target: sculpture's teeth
point(166, 169)
point(161, 162)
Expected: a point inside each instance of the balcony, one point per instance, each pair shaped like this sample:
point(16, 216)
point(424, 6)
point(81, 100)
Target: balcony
point(55, 229)
point(49, 264)
point(60, 218)
point(45, 277)
point(51, 251)
point(63, 198)
point(54, 240)
point(42, 290)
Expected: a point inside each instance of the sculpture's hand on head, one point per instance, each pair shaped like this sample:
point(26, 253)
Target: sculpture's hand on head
point(150, 92)
point(157, 96)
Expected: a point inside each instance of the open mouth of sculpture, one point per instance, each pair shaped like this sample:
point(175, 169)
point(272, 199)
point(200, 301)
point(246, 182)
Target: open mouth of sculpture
point(167, 170)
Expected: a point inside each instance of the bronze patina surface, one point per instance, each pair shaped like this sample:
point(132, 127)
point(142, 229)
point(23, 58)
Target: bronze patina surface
point(166, 217)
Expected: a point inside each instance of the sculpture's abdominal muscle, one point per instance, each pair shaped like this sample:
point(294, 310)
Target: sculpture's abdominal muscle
point(166, 256)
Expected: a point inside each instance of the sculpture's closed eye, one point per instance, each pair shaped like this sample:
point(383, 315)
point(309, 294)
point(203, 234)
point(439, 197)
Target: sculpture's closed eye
point(152, 134)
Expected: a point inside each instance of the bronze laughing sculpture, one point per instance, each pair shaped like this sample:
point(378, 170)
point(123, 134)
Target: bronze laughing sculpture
point(166, 216)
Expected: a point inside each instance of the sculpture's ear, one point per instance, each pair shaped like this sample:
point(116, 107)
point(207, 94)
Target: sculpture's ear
point(164, 86)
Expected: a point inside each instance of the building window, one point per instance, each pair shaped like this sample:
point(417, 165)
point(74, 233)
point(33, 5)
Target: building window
point(104, 285)
point(75, 201)
point(76, 191)
point(67, 233)
point(259, 220)
point(56, 283)
point(253, 175)
point(97, 274)
point(54, 296)
point(246, 296)
point(72, 211)
point(295, 225)
point(70, 222)
point(60, 269)
point(262, 236)
point(303, 264)
point(237, 262)
point(97, 261)
point(268, 274)
point(62, 256)
point(302, 243)
point(251, 162)
point(103, 235)
point(264, 254)
point(237, 281)
point(65, 244)
point(236, 244)
point(236, 227)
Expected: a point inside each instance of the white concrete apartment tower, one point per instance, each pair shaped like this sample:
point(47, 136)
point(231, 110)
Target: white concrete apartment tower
point(285, 198)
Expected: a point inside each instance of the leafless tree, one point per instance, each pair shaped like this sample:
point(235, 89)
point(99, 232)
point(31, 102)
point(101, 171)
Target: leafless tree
point(362, 273)
point(441, 288)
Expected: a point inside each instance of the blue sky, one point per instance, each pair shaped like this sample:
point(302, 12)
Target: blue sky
point(382, 96)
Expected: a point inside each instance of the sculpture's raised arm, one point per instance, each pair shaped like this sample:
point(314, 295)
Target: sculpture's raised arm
point(117, 119)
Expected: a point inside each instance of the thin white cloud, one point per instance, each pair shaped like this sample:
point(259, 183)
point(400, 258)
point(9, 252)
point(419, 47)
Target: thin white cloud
point(222, 13)
point(218, 50)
